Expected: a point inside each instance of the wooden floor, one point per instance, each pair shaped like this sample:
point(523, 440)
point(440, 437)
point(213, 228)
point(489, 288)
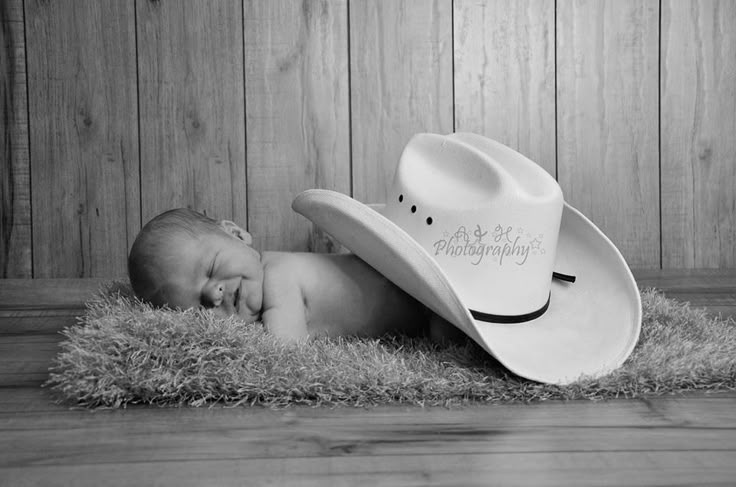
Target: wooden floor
point(683, 440)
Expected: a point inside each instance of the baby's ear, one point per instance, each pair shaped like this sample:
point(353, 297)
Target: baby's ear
point(233, 229)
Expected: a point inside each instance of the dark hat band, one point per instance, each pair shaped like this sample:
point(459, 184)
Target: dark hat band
point(511, 319)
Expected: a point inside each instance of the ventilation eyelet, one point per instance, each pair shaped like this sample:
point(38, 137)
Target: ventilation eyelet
point(413, 209)
point(401, 198)
point(429, 220)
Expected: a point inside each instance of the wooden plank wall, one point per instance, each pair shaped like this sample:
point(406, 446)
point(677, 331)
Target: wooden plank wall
point(298, 115)
point(83, 135)
point(698, 158)
point(15, 192)
point(113, 111)
point(607, 120)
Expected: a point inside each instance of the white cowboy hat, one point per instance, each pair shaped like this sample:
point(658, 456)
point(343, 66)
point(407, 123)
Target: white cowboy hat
point(481, 235)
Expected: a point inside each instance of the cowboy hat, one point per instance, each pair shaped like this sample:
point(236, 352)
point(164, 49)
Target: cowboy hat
point(481, 235)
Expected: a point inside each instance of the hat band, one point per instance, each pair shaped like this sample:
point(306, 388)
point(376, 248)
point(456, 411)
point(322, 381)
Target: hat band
point(510, 319)
point(563, 277)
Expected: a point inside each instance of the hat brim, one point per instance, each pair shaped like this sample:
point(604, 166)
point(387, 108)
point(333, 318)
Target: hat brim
point(589, 329)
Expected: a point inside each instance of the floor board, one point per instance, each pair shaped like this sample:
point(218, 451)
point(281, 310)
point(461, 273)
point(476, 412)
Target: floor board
point(712, 289)
point(657, 441)
point(526, 469)
point(665, 440)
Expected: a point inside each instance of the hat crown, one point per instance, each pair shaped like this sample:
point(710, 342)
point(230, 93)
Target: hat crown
point(489, 216)
point(473, 171)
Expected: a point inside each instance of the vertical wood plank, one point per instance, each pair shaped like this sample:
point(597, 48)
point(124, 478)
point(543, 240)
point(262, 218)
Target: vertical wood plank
point(297, 114)
point(505, 74)
point(84, 136)
point(15, 192)
point(698, 87)
point(401, 84)
point(607, 116)
point(192, 115)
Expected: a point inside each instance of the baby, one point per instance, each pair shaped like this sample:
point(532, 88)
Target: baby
point(184, 259)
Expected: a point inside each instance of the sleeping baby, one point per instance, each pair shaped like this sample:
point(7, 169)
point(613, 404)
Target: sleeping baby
point(183, 259)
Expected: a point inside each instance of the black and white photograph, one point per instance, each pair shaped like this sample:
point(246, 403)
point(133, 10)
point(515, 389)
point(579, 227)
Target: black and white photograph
point(367, 242)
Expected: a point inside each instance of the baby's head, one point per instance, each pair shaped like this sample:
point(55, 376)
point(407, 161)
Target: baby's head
point(184, 259)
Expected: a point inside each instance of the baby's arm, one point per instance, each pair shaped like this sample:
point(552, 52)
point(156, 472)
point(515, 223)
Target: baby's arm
point(286, 321)
point(284, 313)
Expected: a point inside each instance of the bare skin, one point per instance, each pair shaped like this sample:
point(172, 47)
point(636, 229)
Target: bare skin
point(321, 294)
point(295, 295)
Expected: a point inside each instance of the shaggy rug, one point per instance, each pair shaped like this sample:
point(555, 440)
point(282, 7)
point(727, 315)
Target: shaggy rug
point(125, 352)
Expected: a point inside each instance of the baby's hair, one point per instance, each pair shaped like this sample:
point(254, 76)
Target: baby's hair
point(151, 250)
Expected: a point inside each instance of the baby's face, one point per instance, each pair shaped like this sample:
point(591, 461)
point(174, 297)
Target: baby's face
point(218, 270)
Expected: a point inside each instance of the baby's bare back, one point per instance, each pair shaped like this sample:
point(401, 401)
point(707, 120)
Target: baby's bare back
point(315, 294)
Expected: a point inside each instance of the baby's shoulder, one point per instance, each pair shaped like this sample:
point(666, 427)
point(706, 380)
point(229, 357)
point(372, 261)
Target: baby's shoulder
point(310, 269)
point(278, 264)
point(305, 260)
point(288, 268)
point(284, 262)
point(289, 277)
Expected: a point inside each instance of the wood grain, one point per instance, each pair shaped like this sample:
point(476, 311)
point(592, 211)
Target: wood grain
point(48, 293)
point(192, 114)
point(297, 120)
point(32, 312)
point(15, 192)
point(607, 120)
point(256, 432)
point(25, 359)
point(84, 136)
point(655, 441)
point(698, 86)
point(505, 74)
point(38, 321)
point(712, 289)
point(695, 280)
point(669, 440)
point(333, 90)
point(531, 469)
point(400, 84)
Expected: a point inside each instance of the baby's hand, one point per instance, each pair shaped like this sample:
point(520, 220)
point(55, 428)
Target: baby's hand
point(287, 322)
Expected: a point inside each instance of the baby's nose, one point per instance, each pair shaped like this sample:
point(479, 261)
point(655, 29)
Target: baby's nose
point(214, 294)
